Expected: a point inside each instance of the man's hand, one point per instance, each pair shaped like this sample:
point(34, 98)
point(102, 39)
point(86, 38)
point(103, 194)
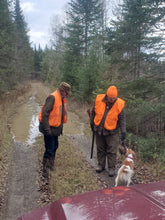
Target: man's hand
point(122, 150)
point(48, 132)
point(92, 127)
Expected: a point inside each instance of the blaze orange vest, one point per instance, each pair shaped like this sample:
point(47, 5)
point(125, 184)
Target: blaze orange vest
point(56, 113)
point(112, 116)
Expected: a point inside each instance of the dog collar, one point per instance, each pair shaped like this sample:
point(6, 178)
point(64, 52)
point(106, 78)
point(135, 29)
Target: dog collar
point(129, 158)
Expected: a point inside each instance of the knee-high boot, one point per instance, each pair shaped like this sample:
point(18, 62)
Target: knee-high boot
point(46, 166)
point(52, 159)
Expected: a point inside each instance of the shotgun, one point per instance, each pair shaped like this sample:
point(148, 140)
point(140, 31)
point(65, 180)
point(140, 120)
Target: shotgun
point(93, 135)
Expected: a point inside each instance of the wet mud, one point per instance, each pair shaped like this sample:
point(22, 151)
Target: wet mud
point(22, 194)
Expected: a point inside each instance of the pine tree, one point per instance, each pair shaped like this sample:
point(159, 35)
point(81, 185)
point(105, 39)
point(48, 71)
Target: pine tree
point(23, 51)
point(38, 56)
point(83, 39)
point(85, 24)
point(6, 47)
point(131, 38)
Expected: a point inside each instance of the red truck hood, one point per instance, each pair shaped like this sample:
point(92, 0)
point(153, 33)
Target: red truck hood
point(141, 201)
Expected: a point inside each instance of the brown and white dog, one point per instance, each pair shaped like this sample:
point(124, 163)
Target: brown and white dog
point(126, 170)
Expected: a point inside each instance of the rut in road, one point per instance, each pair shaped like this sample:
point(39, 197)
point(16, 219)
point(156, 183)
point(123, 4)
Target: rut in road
point(22, 194)
point(22, 191)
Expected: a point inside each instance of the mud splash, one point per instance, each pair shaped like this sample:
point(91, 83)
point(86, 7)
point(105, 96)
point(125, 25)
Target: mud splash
point(25, 123)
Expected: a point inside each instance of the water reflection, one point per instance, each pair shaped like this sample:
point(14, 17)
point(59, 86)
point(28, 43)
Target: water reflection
point(33, 130)
point(25, 124)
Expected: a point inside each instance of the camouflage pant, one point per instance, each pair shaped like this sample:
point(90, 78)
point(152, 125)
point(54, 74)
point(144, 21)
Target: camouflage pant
point(107, 147)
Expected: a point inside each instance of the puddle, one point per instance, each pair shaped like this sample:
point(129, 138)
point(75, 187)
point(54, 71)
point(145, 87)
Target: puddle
point(25, 124)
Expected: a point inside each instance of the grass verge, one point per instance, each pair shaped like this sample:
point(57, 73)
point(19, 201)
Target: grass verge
point(72, 174)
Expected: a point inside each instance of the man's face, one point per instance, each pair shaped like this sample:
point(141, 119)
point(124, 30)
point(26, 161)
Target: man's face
point(111, 99)
point(63, 93)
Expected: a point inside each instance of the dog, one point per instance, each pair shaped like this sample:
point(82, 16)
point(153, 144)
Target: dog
point(127, 169)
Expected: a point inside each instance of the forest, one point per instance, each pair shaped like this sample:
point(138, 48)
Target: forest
point(92, 51)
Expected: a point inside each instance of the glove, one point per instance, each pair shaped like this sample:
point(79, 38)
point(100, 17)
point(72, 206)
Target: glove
point(122, 150)
point(92, 127)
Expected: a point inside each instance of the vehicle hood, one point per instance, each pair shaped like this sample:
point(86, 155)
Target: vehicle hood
point(140, 201)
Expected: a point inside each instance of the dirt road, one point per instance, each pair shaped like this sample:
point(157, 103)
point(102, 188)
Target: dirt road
point(22, 184)
point(22, 194)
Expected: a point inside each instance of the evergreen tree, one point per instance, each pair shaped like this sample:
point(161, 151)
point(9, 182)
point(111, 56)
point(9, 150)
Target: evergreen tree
point(132, 38)
point(83, 35)
point(6, 47)
point(38, 55)
point(85, 24)
point(23, 51)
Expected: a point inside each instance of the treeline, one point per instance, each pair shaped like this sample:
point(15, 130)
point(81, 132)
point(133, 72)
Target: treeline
point(92, 51)
point(16, 54)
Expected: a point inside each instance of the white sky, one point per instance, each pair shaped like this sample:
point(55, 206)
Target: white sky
point(39, 14)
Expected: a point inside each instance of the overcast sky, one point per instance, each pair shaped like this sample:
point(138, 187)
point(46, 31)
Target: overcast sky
point(39, 14)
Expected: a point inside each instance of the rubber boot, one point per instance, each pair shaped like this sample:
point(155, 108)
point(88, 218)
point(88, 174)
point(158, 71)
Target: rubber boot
point(46, 166)
point(52, 159)
point(51, 167)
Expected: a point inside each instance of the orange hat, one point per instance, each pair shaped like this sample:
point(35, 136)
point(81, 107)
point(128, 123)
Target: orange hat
point(112, 91)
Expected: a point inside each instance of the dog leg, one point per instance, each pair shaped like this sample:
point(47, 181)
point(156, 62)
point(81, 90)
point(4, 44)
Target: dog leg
point(117, 181)
point(128, 183)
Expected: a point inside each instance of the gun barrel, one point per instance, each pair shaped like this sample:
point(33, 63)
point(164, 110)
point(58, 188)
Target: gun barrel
point(89, 112)
point(93, 136)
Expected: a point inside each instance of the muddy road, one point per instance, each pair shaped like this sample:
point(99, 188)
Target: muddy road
point(22, 194)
